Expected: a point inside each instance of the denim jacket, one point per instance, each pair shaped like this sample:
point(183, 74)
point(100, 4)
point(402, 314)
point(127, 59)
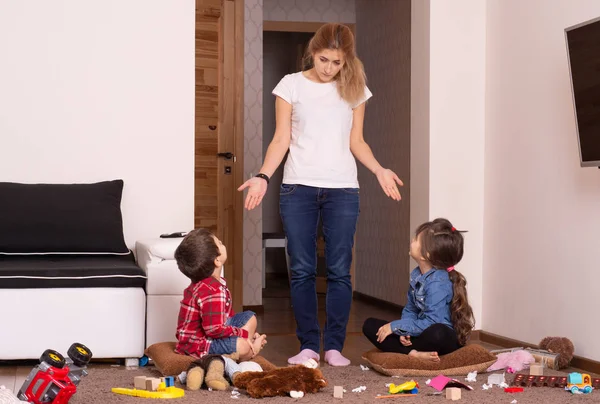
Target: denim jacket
point(429, 298)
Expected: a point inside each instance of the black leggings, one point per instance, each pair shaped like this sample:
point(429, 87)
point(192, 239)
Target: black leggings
point(436, 338)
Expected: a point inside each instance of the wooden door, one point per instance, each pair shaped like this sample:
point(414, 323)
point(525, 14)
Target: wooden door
point(219, 130)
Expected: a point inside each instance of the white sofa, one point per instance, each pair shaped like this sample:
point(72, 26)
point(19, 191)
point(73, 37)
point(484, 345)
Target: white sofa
point(109, 321)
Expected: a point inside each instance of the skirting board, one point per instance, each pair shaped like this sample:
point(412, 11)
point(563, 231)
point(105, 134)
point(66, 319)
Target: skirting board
point(578, 362)
point(373, 300)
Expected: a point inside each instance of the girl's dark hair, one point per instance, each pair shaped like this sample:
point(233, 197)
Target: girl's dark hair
point(196, 255)
point(442, 247)
point(351, 79)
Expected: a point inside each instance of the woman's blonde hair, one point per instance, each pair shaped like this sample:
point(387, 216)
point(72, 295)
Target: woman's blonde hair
point(351, 79)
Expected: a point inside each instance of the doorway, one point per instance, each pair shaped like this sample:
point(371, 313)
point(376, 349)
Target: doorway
point(284, 46)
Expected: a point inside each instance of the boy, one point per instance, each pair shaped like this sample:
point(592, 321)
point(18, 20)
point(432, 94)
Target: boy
point(207, 323)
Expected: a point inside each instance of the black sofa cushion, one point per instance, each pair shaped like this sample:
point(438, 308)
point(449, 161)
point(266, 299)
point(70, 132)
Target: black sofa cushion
point(61, 218)
point(70, 271)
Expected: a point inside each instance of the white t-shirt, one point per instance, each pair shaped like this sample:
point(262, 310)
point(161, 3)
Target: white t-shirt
point(319, 153)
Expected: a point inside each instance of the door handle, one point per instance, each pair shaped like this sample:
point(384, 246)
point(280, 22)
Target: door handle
point(226, 155)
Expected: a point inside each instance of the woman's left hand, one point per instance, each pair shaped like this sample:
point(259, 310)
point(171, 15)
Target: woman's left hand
point(384, 332)
point(388, 180)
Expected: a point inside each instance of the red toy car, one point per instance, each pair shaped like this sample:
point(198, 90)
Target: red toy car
point(55, 379)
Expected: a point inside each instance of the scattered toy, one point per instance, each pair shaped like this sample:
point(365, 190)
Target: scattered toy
point(536, 369)
point(513, 389)
point(561, 346)
point(410, 387)
point(338, 392)
point(363, 367)
point(453, 393)
point(515, 360)
point(359, 389)
point(55, 379)
point(579, 383)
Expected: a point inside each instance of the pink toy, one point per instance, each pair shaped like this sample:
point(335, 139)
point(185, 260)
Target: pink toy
point(514, 361)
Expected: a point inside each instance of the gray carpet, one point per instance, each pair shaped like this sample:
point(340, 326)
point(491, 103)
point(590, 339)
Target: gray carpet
point(96, 388)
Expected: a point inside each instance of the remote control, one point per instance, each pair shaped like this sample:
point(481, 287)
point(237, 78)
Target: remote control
point(174, 235)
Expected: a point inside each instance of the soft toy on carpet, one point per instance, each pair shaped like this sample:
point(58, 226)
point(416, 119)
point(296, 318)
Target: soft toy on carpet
point(210, 370)
point(560, 345)
point(292, 380)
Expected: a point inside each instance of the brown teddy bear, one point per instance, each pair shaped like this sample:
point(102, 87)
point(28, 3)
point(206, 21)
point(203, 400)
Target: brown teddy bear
point(291, 380)
point(560, 345)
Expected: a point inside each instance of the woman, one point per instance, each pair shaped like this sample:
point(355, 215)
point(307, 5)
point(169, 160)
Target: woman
point(319, 119)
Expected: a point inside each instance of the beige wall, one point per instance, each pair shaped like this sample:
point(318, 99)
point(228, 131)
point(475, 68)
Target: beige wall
point(541, 208)
point(382, 239)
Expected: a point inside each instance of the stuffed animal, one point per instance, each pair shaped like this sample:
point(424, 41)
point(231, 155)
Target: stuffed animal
point(208, 370)
point(513, 361)
point(560, 345)
point(292, 380)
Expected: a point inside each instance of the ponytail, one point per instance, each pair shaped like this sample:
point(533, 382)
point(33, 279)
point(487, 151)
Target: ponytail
point(460, 310)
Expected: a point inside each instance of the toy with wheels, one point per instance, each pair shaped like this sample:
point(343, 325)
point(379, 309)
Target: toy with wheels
point(579, 383)
point(55, 379)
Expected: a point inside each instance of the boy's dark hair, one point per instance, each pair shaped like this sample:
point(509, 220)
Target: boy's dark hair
point(442, 247)
point(196, 255)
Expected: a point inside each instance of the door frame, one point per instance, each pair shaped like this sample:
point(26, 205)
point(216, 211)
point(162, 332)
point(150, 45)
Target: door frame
point(229, 111)
point(311, 27)
point(238, 7)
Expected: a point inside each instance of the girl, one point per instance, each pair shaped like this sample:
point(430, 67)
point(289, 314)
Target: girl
point(319, 119)
point(437, 318)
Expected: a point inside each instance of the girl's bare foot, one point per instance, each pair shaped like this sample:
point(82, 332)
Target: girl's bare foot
point(426, 356)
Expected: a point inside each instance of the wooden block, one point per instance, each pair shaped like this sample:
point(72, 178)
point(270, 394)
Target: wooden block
point(139, 382)
point(152, 383)
point(338, 392)
point(536, 369)
point(453, 393)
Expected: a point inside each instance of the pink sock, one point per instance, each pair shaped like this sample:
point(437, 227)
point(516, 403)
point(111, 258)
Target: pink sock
point(335, 358)
point(303, 356)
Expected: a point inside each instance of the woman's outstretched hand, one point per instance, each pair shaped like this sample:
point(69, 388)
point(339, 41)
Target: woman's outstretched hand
point(388, 180)
point(257, 187)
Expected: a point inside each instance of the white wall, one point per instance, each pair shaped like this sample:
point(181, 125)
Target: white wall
point(98, 90)
point(457, 125)
point(541, 208)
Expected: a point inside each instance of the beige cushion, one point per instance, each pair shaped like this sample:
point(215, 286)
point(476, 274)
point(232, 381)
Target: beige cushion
point(470, 358)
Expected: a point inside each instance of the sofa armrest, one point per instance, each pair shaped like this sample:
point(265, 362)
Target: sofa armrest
point(155, 250)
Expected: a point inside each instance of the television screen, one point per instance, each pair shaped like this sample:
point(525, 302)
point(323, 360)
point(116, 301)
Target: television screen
point(583, 51)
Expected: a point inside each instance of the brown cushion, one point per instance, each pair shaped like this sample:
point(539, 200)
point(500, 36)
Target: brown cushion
point(170, 363)
point(467, 359)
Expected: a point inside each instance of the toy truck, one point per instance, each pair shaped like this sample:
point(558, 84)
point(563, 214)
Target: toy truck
point(55, 379)
point(578, 383)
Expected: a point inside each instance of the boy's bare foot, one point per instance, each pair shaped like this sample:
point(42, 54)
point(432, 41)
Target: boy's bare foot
point(426, 356)
point(258, 343)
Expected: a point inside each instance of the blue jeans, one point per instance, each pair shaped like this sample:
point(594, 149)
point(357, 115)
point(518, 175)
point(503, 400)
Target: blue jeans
point(228, 345)
point(301, 207)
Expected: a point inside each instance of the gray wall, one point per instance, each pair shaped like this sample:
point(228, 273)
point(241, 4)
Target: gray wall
point(383, 30)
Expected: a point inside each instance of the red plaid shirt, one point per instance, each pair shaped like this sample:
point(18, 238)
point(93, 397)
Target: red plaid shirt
point(205, 307)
